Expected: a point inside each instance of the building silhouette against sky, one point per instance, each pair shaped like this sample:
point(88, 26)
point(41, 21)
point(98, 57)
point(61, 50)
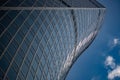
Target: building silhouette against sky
point(41, 39)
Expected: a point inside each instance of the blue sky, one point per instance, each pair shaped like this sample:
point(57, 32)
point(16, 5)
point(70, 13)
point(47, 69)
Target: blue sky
point(101, 61)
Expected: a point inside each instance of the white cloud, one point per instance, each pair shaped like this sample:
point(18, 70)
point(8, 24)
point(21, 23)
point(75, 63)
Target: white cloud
point(110, 62)
point(112, 43)
point(114, 73)
point(115, 41)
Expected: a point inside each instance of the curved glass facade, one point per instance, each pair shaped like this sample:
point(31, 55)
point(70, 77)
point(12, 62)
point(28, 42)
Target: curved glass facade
point(41, 39)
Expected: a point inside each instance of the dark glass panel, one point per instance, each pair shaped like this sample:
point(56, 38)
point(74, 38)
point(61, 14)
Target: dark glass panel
point(40, 3)
point(13, 3)
point(25, 69)
point(30, 77)
point(28, 2)
point(5, 39)
point(12, 74)
point(13, 29)
point(2, 12)
point(2, 2)
point(4, 63)
point(30, 56)
point(18, 58)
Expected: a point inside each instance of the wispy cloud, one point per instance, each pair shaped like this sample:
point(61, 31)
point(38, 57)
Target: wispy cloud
point(116, 41)
point(109, 62)
point(114, 73)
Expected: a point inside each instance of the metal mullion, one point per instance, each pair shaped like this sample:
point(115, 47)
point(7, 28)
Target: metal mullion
point(47, 66)
point(19, 45)
point(30, 44)
point(31, 69)
point(21, 76)
point(5, 3)
point(34, 3)
point(66, 25)
point(51, 35)
point(69, 30)
point(3, 74)
point(46, 44)
point(8, 1)
point(7, 11)
point(62, 48)
point(10, 23)
point(12, 37)
point(37, 47)
point(15, 68)
point(63, 30)
point(2, 71)
point(21, 3)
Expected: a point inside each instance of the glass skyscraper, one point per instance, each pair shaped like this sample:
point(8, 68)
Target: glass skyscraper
point(41, 39)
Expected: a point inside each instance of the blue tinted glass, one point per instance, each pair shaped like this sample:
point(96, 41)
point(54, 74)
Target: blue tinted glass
point(39, 51)
point(30, 36)
point(4, 63)
point(13, 2)
point(32, 71)
point(40, 3)
point(13, 29)
point(1, 48)
point(2, 28)
point(29, 21)
point(8, 55)
point(5, 38)
point(1, 74)
point(30, 77)
point(12, 74)
point(39, 73)
point(34, 64)
point(30, 56)
point(28, 3)
point(24, 29)
point(43, 60)
point(12, 49)
point(20, 18)
point(48, 77)
point(18, 38)
point(22, 52)
point(13, 14)
point(25, 69)
point(35, 27)
point(35, 45)
point(2, 12)
point(2, 2)
point(39, 21)
point(15, 66)
point(18, 59)
point(5, 21)
point(8, 18)
point(24, 46)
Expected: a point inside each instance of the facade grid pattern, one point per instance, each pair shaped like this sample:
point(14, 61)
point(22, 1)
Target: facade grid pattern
point(42, 43)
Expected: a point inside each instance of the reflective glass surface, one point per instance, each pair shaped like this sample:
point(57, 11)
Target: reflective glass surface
point(42, 44)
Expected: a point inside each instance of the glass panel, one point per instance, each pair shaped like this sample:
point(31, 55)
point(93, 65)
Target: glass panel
point(12, 74)
point(4, 63)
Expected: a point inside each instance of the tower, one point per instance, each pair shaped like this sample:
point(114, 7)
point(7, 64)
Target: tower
point(41, 39)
